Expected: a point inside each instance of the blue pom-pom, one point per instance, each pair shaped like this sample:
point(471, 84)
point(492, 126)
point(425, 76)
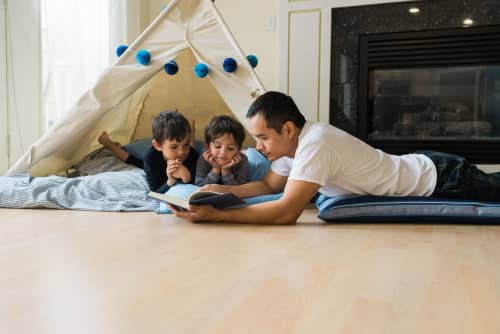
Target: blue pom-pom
point(229, 65)
point(171, 67)
point(143, 57)
point(120, 50)
point(253, 60)
point(201, 70)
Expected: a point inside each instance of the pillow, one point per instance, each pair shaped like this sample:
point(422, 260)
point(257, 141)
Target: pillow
point(357, 208)
point(258, 165)
point(139, 147)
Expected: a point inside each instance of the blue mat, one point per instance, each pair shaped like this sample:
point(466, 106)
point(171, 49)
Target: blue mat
point(406, 209)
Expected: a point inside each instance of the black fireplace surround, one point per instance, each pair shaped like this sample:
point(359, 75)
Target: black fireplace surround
point(406, 81)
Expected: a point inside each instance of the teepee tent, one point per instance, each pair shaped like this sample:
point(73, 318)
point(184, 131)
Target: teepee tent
point(127, 95)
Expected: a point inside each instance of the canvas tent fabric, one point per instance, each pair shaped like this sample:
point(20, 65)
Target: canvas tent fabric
point(127, 95)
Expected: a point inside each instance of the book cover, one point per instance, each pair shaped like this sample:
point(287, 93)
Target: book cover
point(180, 196)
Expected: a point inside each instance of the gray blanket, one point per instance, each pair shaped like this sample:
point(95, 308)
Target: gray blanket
point(104, 184)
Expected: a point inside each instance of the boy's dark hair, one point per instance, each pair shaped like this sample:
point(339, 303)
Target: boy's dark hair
point(170, 125)
point(277, 109)
point(222, 124)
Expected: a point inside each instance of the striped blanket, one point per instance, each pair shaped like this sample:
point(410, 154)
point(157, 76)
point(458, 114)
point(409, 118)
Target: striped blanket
point(105, 184)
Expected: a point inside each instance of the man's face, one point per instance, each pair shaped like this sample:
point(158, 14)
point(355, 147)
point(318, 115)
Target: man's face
point(272, 144)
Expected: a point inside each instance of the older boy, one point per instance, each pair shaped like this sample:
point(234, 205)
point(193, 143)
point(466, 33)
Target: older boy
point(170, 159)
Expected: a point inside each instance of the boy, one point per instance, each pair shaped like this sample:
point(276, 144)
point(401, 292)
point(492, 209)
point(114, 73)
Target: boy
point(170, 159)
point(222, 162)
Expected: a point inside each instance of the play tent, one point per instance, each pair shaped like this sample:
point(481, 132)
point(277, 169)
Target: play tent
point(128, 95)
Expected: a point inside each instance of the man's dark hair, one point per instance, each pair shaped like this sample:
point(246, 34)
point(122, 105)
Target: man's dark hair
point(220, 125)
point(170, 125)
point(277, 109)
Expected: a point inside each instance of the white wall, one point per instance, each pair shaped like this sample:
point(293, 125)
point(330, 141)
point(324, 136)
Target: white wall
point(247, 21)
point(23, 72)
point(3, 93)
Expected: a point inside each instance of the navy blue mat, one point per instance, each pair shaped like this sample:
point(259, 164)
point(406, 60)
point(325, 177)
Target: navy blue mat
point(359, 208)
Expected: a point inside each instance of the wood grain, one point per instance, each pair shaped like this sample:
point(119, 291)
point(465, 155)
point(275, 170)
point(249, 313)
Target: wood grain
point(89, 272)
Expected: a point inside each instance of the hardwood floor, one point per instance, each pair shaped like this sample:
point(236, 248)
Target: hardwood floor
point(89, 272)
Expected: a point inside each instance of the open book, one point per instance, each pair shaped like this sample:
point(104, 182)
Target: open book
point(181, 195)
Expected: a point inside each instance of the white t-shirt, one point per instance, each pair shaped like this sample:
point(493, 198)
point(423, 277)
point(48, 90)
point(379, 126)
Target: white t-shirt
point(342, 164)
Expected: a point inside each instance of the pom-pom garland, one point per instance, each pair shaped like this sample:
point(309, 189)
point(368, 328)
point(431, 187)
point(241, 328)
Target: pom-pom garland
point(229, 65)
point(171, 67)
point(201, 70)
point(253, 60)
point(120, 50)
point(143, 57)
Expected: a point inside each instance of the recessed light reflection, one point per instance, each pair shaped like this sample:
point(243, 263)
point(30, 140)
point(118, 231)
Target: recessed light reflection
point(468, 22)
point(414, 10)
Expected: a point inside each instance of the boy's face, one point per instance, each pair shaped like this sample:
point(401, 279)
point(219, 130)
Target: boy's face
point(172, 149)
point(272, 144)
point(223, 149)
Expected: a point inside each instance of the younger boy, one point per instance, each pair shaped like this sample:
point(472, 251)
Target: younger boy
point(222, 162)
point(170, 159)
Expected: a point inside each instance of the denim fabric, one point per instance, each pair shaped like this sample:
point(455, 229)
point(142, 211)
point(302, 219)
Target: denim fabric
point(457, 178)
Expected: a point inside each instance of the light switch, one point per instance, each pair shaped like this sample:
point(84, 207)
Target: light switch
point(270, 24)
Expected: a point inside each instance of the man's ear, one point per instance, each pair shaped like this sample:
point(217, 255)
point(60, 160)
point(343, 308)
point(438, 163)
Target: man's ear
point(288, 129)
point(156, 145)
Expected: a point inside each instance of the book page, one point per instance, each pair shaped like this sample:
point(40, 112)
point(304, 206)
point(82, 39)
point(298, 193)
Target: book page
point(175, 201)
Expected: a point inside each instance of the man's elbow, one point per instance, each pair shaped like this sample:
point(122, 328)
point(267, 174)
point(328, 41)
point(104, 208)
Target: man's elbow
point(289, 218)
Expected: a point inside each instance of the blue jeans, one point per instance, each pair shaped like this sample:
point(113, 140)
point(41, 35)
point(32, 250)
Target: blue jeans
point(457, 178)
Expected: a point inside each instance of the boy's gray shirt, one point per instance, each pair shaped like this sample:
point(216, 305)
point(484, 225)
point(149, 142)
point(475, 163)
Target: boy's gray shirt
point(238, 175)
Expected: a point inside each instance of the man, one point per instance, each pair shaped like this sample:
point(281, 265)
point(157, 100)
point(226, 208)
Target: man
point(313, 157)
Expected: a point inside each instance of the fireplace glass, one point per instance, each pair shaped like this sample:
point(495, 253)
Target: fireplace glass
point(436, 103)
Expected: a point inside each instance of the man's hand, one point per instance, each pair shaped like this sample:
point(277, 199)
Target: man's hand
point(199, 213)
point(226, 169)
point(219, 188)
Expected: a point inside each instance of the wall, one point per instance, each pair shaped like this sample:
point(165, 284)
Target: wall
point(3, 93)
point(23, 72)
point(247, 21)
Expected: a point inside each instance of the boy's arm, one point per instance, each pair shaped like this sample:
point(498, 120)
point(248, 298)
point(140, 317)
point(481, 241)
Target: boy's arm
point(203, 173)
point(154, 167)
point(285, 210)
point(239, 173)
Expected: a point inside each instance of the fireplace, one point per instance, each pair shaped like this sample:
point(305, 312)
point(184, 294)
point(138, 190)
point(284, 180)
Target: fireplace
point(426, 82)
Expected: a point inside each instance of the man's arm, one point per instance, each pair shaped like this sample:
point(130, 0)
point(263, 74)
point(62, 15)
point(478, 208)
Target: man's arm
point(285, 210)
point(272, 183)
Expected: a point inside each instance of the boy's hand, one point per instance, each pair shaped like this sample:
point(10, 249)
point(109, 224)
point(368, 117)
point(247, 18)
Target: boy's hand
point(207, 155)
point(234, 161)
point(172, 167)
point(182, 173)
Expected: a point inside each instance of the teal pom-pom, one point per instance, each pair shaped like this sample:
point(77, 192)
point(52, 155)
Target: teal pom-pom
point(171, 67)
point(120, 50)
point(201, 70)
point(253, 60)
point(143, 57)
point(229, 65)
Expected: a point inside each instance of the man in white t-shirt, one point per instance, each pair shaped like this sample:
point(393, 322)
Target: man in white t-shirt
point(313, 157)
